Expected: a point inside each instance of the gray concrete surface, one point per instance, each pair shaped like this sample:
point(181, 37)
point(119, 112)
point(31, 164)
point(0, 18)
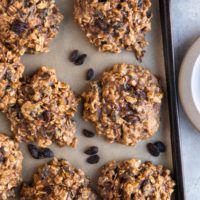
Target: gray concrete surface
point(186, 29)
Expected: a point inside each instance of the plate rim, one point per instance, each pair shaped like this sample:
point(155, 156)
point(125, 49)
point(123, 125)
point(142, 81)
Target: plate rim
point(185, 81)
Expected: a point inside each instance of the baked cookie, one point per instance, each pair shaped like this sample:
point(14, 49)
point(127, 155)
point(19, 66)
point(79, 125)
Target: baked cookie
point(44, 110)
point(132, 179)
point(58, 180)
point(28, 25)
point(11, 70)
point(124, 105)
point(113, 25)
point(10, 167)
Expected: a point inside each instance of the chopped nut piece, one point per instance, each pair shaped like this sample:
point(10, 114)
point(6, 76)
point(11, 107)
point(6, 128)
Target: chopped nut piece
point(114, 25)
point(132, 179)
point(28, 26)
point(123, 112)
point(44, 110)
point(58, 180)
point(10, 167)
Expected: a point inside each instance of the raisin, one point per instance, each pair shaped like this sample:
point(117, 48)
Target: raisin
point(93, 159)
point(33, 151)
point(131, 119)
point(45, 75)
point(46, 116)
point(91, 150)
point(161, 146)
point(2, 159)
point(101, 24)
point(40, 153)
point(149, 14)
point(10, 2)
point(8, 76)
point(48, 189)
point(28, 90)
point(45, 153)
point(102, 1)
point(90, 74)
point(88, 133)
point(153, 149)
point(19, 26)
point(140, 3)
point(80, 60)
point(74, 56)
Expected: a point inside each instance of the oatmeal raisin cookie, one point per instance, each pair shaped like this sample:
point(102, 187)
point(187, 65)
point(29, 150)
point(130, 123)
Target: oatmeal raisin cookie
point(124, 104)
point(113, 25)
point(44, 110)
point(58, 180)
point(28, 25)
point(132, 179)
point(10, 167)
point(11, 70)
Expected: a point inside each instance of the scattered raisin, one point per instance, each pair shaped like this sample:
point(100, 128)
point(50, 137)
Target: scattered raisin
point(33, 151)
point(91, 150)
point(45, 153)
point(80, 60)
point(88, 133)
point(40, 153)
point(161, 146)
point(90, 74)
point(74, 56)
point(93, 159)
point(153, 149)
point(19, 26)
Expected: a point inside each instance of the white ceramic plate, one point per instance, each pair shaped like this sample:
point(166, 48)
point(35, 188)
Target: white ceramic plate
point(189, 83)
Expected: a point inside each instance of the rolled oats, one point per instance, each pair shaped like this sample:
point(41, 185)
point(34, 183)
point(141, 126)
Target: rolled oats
point(28, 25)
point(58, 180)
point(10, 167)
point(11, 70)
point(44, 110)
point(132, 179)
point(125, 104)
point(113, 25)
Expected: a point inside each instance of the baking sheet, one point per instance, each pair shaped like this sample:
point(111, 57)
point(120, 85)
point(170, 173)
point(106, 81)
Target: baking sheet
point(69, 38)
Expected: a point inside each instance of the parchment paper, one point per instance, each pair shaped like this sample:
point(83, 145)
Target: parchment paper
point(69, 38)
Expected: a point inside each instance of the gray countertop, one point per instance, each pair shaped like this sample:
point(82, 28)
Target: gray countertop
point(186, 29)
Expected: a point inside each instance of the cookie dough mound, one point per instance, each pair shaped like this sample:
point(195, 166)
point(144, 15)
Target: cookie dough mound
point(28, 25)
point(132, 179)
point(11, 70)
point(10, 167)
point(44, 110)
point(124, 105)
point(113, 25)
point(58, 180)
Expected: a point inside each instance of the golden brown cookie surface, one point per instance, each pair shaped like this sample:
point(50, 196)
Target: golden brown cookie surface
point(113, 25)
point(28, 25)
point(132, 179)
point(44, 110)
point(58, 180)
point(10, 167)
point(125, 104)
